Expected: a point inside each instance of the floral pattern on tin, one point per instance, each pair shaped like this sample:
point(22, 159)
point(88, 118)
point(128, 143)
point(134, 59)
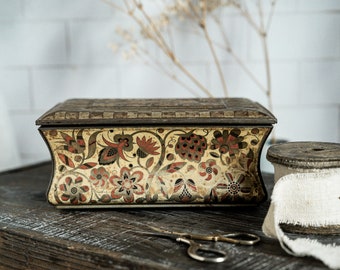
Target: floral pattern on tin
point(99, 177)
point(235, 189)
point(228, 142)
point(146, 147)
point(126, 185)
point(156, 165)
point(74, 190)
point(191, 146)
point(208, 169)
point(114, 151)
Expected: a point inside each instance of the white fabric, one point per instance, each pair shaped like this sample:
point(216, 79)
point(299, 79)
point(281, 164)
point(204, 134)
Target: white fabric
point(306, 199)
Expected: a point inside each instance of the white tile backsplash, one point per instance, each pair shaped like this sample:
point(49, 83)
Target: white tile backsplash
point(8, 142)
point(25, 43)
point(15, 88)
point(191, 45)
point(317, 5)
point(320, 82)
point(65, 9)
point(146, 82)
point(308, 123)
point(284, 83)
point(301, 36)
point(25, 129)
point(11, 9)
point(52, 50)
point(338, 123)
point(54, 85)
point(90, 42)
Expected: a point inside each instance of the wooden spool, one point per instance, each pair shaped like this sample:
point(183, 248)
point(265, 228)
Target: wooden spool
point(304, 157)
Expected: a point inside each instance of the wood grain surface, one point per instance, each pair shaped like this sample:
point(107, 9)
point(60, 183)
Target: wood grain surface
point(35, 235)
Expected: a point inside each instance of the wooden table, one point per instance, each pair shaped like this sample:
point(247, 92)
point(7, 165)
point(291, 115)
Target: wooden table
point(35, 235)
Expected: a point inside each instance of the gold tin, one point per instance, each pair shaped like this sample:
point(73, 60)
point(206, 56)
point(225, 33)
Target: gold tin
point(156, 152)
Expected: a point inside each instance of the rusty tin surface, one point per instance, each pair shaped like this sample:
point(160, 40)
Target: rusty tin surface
point(156, 152)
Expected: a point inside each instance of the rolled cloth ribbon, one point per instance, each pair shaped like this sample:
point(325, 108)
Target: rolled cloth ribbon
point(306, 198)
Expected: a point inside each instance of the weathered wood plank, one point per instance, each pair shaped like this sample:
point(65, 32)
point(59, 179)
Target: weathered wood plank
point(35, 235)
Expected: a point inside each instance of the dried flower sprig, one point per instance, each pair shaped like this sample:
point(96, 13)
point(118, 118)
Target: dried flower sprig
point(203, 15)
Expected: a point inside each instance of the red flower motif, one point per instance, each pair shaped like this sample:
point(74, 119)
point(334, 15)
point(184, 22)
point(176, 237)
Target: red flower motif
point(126, 185)
point(208, 169)
point(74, 190)
point(99, 176)
point(228, 142)
point(234, 188)
point(146, 147)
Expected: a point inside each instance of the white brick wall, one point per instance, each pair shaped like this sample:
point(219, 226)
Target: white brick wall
point(53, 85)
point(302, 36)
point(28, 43)
point(65, 9)
point(52, 50)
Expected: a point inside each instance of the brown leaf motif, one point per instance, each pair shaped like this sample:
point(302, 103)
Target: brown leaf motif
point(66, 160)
point(149, 162)
point(173, 167)
point(87, 165)
point(92, 144)
point(74, 145)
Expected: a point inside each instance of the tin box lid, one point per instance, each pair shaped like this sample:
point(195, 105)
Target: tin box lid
point(156, 111)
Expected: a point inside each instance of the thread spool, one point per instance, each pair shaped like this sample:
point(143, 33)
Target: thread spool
point(306, 157)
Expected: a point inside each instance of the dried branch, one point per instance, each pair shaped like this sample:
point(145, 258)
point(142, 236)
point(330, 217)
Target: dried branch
point(212, 48)
point(159, 31)
point(263, 37)
point(271, 14)
point(238, 60)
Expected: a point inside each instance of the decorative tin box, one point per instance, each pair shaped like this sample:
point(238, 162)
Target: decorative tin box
point(156, 152)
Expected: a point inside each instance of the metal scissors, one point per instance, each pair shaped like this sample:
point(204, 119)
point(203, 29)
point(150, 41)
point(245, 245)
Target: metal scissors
point(210, 254)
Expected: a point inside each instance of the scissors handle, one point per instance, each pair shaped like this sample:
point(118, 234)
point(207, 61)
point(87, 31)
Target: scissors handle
point(217, 255)
point(246, 239)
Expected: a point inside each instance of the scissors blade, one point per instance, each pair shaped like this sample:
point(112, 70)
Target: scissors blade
point(167, 232)
point(240, 238)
